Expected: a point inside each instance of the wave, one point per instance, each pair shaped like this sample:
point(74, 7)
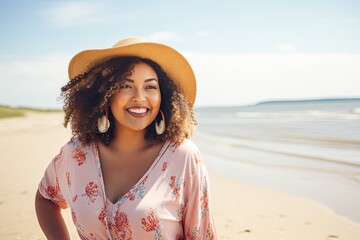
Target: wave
point(271, 150)
point(300, 155)
point(354, 114)
point(288, 137)
point(354, 175)
point(355, 110)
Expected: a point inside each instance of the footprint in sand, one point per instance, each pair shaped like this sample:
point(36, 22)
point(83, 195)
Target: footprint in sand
point(25, 192)
point(331, 237)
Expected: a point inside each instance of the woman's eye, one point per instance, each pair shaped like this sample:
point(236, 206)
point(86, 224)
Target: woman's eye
point(125, 86)
point(151, 87)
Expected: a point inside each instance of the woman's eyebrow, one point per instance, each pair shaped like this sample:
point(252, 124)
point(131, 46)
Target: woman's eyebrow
point(150, 79)
point(146, 80)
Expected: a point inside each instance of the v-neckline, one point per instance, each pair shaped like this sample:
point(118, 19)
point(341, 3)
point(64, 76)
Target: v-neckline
point(123, 198)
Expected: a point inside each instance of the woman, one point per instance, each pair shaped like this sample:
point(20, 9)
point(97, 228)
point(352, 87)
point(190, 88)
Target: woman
point(130, 171)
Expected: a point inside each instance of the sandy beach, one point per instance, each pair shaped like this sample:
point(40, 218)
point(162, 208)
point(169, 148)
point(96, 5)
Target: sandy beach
point(241, 210)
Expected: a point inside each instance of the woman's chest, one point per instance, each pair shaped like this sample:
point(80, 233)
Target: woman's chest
point(147, 209)
point(119, 179)
point(121, 174)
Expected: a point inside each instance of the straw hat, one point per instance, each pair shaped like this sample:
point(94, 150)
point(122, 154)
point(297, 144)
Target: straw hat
point(171, 61)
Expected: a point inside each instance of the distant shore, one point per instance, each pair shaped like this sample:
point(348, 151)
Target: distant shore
point(315, 100)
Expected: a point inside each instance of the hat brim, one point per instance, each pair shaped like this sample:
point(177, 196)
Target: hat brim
point(171, 61)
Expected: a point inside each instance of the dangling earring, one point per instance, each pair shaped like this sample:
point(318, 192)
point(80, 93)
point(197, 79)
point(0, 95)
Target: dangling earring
point(103, 123)
point(160, 127)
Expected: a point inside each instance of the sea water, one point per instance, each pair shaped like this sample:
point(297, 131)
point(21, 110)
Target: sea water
point(307, 148)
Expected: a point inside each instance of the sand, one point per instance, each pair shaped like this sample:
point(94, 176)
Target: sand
point(241, 210)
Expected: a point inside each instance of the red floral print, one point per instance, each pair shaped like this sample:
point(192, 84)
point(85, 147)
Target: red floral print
point(210, 235)
point(75, 198)
point(180, 213)
point(137, 191)
point(193, 234)
point(57, 157)
point(197, 158)
point(152, 223)
point(92, 191)
point(175, 186)
point(204, 201)
point(143, 181)
point(73, 216)
point(102, 216)
point(53, 191)
point(131, 195)
point(164, 166)
point(79, 156)
point(121, 226)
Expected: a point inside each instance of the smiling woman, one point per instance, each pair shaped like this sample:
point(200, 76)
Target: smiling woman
point(88, 96)
point(130, 171)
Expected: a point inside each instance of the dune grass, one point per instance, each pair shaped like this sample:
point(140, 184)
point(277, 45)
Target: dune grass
point(8, 112)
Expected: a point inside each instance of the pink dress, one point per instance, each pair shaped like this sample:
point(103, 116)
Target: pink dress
point(171, 200)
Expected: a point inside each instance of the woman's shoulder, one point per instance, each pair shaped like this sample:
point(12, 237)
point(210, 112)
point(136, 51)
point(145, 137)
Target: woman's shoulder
point(186, 147)
point(75, 149)
point(187, 151)
point(75, 143)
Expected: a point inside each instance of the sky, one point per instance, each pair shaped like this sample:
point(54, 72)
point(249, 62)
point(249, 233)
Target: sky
point(242, 52)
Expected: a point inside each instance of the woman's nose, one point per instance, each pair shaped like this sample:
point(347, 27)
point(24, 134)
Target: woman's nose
point(139, 95)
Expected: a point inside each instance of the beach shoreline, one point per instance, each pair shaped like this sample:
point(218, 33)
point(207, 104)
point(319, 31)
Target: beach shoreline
point(241, 210)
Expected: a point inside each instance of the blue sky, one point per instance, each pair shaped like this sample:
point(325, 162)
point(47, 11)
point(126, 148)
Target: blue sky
point(242, 51)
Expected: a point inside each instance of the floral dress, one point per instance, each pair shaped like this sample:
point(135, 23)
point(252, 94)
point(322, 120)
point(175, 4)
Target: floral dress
point(170, 201)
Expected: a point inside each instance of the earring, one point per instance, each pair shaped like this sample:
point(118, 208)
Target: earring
point(160, 127)
point(103, 123)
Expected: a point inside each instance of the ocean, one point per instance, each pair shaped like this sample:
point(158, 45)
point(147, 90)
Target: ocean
point(307, 148)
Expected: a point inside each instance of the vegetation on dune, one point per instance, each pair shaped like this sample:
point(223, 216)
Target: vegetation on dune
point(7, 112)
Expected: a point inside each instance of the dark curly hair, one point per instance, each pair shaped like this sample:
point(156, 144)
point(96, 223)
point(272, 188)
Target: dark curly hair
point(88, 96)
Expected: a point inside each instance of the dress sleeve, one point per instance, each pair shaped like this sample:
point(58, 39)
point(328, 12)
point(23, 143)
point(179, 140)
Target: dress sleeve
point(198, 218)
point(49, 186)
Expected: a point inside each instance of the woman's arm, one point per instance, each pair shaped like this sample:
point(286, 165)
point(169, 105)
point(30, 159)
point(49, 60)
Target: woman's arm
point(50, 218)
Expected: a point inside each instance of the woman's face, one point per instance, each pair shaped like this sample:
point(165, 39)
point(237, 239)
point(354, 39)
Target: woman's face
point(137, 103)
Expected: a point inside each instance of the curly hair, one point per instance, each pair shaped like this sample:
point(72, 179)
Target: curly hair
point(88, 96)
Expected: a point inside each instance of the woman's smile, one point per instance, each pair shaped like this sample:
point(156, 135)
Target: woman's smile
point(138, 112)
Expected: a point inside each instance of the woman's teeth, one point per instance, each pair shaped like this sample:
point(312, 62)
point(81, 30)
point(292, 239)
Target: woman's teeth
point(137, 110)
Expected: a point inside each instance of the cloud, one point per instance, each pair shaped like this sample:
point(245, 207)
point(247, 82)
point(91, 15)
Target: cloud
point(237, 79)
point(79, 13)
point(32, 81)
point(286, 47)
point(72, 13)
point(165, 36)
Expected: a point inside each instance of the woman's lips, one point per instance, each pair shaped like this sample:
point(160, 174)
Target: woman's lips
point(138, 112)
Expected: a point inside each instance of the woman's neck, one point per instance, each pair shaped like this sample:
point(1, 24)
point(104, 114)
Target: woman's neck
point(129, 141)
